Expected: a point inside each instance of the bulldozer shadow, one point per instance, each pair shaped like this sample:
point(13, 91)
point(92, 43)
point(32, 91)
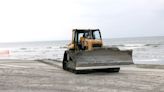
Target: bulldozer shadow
point(96, 71)
point(56, 64)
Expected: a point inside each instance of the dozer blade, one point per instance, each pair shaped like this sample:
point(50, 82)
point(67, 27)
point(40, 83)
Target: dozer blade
point(100, 58)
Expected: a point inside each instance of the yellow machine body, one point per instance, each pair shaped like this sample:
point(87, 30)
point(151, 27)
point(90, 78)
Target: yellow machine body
point(86, 52)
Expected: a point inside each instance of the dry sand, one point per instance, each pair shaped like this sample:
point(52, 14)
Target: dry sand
point(47, 76)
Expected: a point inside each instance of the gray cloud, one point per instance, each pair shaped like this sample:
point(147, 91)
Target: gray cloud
point(124, 18)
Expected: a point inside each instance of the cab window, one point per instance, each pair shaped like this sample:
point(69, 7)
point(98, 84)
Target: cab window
point(96, 35)
point(79, 36)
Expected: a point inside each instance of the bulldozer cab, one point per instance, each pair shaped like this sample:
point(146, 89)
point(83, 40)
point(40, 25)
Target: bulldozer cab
point(85, 39)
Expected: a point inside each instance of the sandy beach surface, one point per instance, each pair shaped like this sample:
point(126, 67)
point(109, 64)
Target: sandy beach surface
point(48, 76)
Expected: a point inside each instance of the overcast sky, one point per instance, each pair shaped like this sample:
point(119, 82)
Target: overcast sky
point(37, 20)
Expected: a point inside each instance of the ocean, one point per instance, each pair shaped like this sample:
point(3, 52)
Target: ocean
point(146, 50)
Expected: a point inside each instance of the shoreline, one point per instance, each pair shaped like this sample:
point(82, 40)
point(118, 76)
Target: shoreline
point(59, 63)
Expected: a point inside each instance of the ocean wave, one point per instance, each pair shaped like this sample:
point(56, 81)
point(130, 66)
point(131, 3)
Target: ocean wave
point(129, 45)
point(23, 48)
point(63, 47)
point(133, 46)
point(153, 45)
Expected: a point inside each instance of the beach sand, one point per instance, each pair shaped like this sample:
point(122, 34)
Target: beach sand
point(48, 76)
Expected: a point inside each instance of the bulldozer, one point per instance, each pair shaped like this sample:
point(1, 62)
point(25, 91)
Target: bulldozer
point(86, 52)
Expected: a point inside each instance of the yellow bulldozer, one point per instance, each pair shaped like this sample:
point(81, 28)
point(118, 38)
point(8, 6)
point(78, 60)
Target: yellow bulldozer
point(86, 52)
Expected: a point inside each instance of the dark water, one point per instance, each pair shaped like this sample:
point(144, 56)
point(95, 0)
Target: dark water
point(147, 50)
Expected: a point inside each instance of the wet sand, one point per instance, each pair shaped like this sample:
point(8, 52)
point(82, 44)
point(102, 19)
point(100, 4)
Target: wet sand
point(47, 76)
